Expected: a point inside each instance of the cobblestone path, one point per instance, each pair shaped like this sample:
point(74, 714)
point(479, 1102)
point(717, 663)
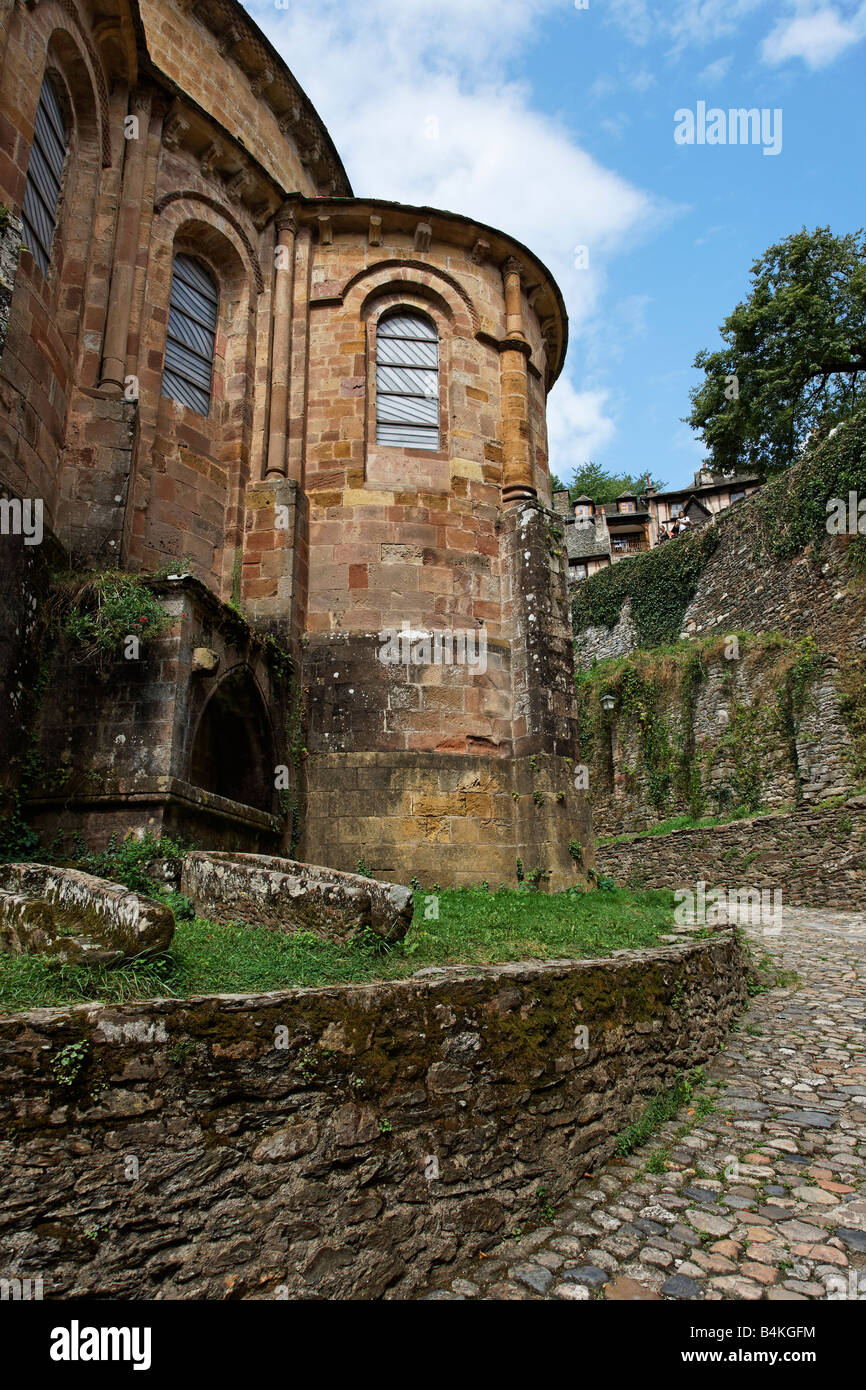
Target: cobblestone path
point(762, 1198)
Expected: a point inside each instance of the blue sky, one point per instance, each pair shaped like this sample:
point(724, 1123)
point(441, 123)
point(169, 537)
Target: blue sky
point(557, 124)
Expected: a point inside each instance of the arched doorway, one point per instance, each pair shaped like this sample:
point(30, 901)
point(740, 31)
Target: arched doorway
point(233, 749)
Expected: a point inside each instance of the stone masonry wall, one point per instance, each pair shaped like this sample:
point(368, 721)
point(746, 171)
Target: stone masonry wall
point(450, 773)
point(729, 746)
point(127, 750)
point(24, 582)
point(193, 1157)
point(10, 247)
point(445, 819)
point(797, 597)
point(817, 858)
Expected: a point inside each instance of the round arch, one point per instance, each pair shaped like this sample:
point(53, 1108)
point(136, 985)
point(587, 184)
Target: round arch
point(412, 278)
point(233, 752)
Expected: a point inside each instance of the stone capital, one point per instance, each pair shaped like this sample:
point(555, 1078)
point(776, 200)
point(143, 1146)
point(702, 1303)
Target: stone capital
point(139, 102)
point(174, 130)
point(286, 220)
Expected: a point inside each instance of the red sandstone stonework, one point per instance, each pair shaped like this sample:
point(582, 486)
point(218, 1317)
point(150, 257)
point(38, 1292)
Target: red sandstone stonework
point(279, 499)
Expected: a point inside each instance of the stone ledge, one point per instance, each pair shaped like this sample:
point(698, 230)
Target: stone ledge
point(77, 918)
point(816, 858)
point(288, 896)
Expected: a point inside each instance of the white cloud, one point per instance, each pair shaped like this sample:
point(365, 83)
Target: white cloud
point(579, 426)
point(699, 22)
point(642, 81)
point(715, 72)
point(602, 87)
point(633, 17)
point(615, 126)
point(621, 324)
point(386, 78)
point(686, 23)
point(818, 36)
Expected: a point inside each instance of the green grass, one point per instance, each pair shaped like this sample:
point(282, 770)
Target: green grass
point(663, 1107)
point(474, 927)
point(686, 822)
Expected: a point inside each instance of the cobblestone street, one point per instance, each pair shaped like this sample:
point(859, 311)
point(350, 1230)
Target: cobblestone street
point(764, 1197)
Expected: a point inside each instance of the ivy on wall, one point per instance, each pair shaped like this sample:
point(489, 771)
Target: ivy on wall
point(792, 508)
point(852, 702)
point(790, 512)
point(656, 696)
point(660, 584)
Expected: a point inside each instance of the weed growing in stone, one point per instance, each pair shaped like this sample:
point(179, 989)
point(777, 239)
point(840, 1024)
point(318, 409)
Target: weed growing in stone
point(66, 1066)
point(662, 1108)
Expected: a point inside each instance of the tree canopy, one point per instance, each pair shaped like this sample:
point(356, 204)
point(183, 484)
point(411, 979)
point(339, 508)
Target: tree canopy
point(794, 357)
point(591, 480)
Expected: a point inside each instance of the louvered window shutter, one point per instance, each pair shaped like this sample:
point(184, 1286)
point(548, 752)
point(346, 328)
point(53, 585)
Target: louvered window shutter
point(44, 176)
point(407, 382)
point(191, 337)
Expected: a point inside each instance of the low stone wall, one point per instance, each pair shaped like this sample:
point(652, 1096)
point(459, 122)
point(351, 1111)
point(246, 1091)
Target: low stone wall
point(816, 858)
point(332, 1143)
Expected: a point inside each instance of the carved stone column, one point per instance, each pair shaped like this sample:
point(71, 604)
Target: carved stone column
point(517, 482)
point(277, 464)
point(126, 240)
point(513, 301)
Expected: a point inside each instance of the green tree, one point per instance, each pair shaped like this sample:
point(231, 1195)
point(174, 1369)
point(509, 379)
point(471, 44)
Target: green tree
point(794, 360)
point(592, 481)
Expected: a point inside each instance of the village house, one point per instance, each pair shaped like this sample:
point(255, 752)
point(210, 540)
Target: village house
point(600, 534)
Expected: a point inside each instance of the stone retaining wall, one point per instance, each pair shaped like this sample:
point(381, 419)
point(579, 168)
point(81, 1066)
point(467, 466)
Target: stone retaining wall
point(332, 1143)
point(717, 737)
point(817, 858)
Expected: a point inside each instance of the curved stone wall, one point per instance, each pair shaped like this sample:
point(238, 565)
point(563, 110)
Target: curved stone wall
point(333, 1143)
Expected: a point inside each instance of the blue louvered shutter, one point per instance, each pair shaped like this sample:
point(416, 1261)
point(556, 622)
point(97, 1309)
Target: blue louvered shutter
point(44, 176)
point(407, 382)
point(191, 337)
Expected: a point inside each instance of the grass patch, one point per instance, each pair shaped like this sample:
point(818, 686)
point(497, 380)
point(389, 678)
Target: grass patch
point(686, 822)
point(662, 1108)
point(474, 927)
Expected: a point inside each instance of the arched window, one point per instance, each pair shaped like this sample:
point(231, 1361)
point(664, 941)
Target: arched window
point(44, 176)
point(189, 346)
point(407, 382)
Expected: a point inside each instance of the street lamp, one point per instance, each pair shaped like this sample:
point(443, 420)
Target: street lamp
point(608, 703)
